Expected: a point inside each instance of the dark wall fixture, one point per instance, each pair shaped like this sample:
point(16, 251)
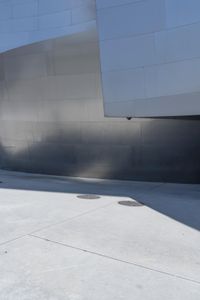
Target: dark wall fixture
point(51, 121)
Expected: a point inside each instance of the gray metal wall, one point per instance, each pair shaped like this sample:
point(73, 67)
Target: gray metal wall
point(52, 120)
point(150, 57)
point(23, 22)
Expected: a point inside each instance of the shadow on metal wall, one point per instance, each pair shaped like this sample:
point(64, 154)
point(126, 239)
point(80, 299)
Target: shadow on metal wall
point(72, 154)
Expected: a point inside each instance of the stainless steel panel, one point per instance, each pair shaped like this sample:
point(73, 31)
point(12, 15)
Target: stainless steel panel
point(45, 129)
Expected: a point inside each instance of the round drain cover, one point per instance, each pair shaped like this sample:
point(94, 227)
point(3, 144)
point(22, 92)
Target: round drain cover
point(130, 203)
point(88, 197)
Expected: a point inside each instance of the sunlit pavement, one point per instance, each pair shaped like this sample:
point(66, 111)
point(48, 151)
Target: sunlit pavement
point(55, 245)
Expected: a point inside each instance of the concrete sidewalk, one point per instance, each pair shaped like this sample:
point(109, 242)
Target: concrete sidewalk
point(56, 246)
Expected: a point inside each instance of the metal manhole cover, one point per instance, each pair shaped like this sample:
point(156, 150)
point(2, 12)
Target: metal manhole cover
point(130, 203)
point(88, 197)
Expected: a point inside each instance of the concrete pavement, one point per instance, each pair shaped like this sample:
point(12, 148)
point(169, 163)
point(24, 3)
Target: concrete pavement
point(54, 245)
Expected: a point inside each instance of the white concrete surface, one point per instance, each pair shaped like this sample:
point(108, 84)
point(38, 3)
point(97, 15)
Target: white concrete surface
point(54, 245)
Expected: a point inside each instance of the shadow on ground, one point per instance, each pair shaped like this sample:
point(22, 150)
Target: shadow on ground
point(180, 202)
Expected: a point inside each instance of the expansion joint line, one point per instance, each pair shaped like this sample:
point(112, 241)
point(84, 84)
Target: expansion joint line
point(116, 259)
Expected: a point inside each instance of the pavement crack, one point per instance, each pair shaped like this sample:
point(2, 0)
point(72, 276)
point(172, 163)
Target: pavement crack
point(70, 218)
point(117, 259)
point(54, 224)
point(13, 240)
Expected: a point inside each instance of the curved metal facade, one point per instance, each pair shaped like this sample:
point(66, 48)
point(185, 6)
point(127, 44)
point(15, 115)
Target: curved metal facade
point(52, 120)
point(150, 56)
point(52, 116)
point(24, 22)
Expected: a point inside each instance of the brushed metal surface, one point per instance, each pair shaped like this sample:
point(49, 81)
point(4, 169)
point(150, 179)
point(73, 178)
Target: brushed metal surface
point(150, 58)
point(26, 22)
point(52, 120)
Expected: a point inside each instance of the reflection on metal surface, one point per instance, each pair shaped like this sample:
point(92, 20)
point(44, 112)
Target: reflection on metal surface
point(28, 22)
point(150, 57)
point(52, 120)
